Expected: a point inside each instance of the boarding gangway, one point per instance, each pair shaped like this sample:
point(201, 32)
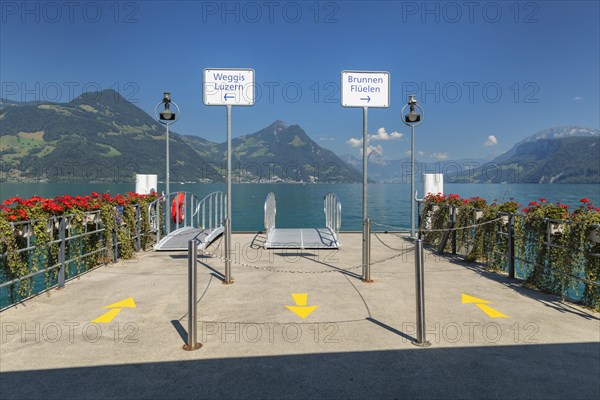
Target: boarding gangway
point(304, 238)
point(177, 217)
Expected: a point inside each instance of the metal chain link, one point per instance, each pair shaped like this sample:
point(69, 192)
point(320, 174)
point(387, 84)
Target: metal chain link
point(442, 229)
point(275, 269)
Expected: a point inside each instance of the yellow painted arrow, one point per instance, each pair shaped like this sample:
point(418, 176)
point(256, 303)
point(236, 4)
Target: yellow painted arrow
point(127, 303)
point(115, 309)
point(470, 299)
point(301, 309)
point(483, 306)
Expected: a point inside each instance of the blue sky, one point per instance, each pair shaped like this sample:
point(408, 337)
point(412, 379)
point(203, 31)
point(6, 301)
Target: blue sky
point(501, 69)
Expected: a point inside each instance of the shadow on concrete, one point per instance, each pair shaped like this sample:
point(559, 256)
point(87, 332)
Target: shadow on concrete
point(521, 371)
point(391, 329)
point(180, 330)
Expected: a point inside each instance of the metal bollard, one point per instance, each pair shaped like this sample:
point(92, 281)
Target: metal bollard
point(192, 343)
point(511, 246)
point(420, 295)
point(367, 251)
point(61, 253)
point(228, 246)
point(453, 230)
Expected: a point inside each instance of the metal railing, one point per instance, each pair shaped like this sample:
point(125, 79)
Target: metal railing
point(507, 244)
point(210, 211)
point(333, 212)
point(173, 211)
point(64, 250)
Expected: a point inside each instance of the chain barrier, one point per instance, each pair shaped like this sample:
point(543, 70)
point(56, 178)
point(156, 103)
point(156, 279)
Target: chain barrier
point(279, 270)
point(441, 229)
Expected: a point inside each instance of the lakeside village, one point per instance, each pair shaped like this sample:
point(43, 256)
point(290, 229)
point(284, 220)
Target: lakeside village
point(545, 244)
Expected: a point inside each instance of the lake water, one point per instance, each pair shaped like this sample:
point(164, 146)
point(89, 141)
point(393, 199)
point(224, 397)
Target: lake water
point(302, 205)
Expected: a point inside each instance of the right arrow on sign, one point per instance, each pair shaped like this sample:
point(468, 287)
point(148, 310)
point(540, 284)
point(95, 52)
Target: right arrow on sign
point(368, 98)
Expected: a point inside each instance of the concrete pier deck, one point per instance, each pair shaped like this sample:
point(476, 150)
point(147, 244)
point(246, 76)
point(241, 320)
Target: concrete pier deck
point(491, 337)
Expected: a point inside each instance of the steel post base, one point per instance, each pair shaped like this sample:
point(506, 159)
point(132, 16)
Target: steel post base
point(187, 348)
point(426, 343)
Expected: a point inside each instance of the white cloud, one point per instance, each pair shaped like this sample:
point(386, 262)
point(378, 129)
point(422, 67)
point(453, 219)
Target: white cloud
point(380, 135)
point(383, 135)
point(326, 139)
point(377, 149)
point(491, 140)
point(440, 156)
point(354, 142)
point(419, 153)
point(578, 98)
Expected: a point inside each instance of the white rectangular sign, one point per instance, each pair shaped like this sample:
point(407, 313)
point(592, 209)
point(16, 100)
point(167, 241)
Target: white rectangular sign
point(228, 86)
point(365, 89)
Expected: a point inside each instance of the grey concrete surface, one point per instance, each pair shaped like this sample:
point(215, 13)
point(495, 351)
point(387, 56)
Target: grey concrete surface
point(356, 344)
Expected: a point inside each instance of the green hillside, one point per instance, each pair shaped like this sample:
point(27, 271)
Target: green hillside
point(101, 137)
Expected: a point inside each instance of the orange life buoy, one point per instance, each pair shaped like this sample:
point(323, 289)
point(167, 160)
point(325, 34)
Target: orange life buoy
point(177, 208)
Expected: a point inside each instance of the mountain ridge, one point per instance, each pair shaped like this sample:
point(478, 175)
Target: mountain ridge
point(100, 136)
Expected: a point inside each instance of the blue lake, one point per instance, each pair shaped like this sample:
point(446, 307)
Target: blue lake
point(302, 205)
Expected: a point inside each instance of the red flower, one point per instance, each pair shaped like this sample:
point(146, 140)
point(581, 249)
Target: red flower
point(533, 204)
point(584, 200)
point(525, 210)
point(543, 200)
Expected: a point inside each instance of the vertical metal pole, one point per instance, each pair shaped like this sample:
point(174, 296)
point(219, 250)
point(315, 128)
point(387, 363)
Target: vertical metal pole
point(168, 173)
point(367, 270)
point(228, 219)
point(61, 254)
point(192, 342)
point(453, 230)
point(511, 246)
point(116, 245)
point(138, 229)
point(365, 256)
point(412, 181)
point(420, 295)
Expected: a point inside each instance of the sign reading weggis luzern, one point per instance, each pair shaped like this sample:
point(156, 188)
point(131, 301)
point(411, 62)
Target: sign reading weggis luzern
point(365, 89)
point(224, 86)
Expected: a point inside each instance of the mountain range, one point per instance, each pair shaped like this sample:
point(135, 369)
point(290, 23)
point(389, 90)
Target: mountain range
point(101, 137)
point(567, 154)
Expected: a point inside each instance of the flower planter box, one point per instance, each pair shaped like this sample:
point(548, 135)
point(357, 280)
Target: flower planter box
point(594, 236)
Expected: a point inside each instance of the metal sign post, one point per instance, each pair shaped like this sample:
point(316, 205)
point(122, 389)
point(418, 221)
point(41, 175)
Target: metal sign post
point(365, 89)
point(228, 87)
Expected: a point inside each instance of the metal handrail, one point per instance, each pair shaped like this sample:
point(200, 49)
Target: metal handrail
point(61, 234)
point(188, 212)
point(270, 210)
point(332, 208)
point(210, 211)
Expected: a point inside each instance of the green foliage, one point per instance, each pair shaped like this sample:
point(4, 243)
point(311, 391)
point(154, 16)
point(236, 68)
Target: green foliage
point(38, 223)
point(568, 266)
